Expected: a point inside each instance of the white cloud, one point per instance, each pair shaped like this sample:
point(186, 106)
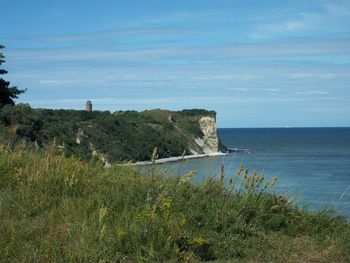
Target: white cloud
point(184, 16)
point(338, 9)
point(101, 34)
point(105, 102)
point(329, 18)
point(312, 92)
point(213, 53)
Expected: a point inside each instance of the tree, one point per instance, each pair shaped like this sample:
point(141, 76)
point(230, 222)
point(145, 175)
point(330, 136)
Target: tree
point(7, 93)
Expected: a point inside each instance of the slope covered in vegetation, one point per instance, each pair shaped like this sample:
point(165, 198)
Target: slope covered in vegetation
point(118, 136)
point(62, 209)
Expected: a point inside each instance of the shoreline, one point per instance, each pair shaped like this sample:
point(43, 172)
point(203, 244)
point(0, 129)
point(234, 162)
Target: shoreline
point(179, 158)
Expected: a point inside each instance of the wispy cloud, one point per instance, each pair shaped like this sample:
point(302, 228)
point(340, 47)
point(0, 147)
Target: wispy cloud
point(263, 31)
point(338, 9)
point(311, 48)
point(184, 16)
point(157, 101)
point(147, 102)
point(312, 92)
point(330, 17)
point(100, 34)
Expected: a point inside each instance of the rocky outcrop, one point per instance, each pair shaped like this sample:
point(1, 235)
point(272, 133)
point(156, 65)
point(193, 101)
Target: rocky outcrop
point(209, 142)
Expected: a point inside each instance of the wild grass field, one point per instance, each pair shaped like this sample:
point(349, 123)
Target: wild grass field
point(62, 209)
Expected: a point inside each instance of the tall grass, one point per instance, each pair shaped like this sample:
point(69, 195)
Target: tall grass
point(59, 209)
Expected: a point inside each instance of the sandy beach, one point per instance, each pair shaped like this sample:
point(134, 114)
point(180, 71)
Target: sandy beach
point(180, 158)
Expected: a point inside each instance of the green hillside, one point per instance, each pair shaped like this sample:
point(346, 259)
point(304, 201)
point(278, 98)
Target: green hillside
point(118, 136)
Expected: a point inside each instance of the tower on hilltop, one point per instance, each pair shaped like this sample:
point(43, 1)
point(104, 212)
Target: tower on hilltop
point(88, 106)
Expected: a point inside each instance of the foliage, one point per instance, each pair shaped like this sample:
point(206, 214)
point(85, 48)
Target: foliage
point(7, 93)
point(118, 136)
point(196, 112)
point(59, 209)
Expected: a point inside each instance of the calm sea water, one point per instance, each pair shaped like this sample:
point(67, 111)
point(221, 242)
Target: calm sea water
point(312, 164)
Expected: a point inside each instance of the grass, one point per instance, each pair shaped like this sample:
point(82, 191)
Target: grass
point(61, 209)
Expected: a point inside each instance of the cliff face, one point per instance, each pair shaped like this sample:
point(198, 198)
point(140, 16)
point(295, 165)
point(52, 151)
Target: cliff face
point(113, 137)
point(209, 142)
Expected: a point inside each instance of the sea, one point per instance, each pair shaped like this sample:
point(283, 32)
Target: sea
point(312, 165)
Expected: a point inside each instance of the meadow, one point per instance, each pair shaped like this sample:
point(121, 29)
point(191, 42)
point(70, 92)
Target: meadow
point(56, 208)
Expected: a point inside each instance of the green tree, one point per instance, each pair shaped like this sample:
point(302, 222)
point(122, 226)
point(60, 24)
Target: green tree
point(7, 93)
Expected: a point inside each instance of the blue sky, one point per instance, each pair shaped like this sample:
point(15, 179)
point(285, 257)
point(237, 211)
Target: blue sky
point(257, 63)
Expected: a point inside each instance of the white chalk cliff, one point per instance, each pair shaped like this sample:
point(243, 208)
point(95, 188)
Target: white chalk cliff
point(209, 142)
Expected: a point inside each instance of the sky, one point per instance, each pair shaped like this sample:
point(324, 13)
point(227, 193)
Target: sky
point(259, 63)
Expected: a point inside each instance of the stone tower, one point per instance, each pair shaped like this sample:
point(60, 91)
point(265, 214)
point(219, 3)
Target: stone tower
point(88, 106)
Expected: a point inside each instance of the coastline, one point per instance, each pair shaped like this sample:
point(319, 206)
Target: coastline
point(179, 158)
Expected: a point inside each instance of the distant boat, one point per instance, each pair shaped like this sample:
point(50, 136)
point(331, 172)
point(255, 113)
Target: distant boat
point(287, 126)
